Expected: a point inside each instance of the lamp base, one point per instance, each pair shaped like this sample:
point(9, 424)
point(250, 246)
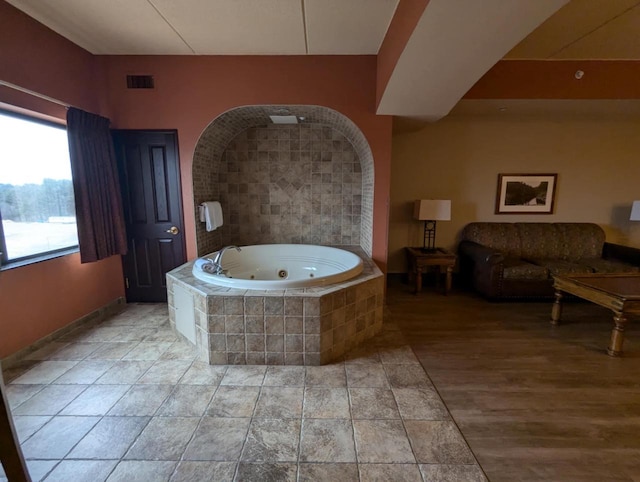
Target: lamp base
point(429, 241)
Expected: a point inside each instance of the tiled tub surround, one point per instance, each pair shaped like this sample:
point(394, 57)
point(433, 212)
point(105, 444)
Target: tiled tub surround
point(128, 400)
point(308, 326)
point(308, 183)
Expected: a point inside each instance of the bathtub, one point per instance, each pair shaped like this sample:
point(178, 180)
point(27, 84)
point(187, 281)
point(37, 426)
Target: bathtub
point(281, 266)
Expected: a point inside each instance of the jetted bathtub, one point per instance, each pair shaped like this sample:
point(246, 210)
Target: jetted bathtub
point(281, 266)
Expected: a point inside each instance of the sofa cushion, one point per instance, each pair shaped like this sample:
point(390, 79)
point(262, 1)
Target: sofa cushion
point(539, 240)
point(599, 265)
point(501, 236)
point(560, 266)
point(580, 240)
point(515, 268)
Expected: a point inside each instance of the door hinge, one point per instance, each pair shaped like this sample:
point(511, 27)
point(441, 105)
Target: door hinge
point(126, 282)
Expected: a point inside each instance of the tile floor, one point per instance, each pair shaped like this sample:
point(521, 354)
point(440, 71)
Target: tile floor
point(127, 400)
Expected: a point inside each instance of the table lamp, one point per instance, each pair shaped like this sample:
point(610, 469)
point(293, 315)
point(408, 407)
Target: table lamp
point(430, 211)
point(635, 211)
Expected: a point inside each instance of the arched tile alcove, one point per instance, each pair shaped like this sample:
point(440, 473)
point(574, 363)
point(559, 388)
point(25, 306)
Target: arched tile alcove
point(310, 182)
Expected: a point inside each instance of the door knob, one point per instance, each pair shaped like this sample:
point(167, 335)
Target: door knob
point(173, 230)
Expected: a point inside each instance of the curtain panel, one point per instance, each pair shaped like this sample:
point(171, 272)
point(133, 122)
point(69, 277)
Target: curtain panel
point(99, 214)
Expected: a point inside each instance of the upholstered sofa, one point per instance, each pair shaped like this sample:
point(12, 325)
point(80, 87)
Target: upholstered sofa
point(518, 260)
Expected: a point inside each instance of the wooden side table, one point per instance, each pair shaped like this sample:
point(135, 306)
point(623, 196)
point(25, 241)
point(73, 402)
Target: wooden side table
point(420, 261)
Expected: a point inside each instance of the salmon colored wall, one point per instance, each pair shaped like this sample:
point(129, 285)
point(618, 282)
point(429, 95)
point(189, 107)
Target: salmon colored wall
point(40, 298)
point(191, 91)
point(555, 79)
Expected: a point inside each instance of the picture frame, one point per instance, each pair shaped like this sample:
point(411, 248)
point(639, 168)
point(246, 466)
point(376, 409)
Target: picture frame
point(526, 193)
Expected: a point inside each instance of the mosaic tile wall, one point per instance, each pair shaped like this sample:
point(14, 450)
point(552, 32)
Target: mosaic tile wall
point(284, 183)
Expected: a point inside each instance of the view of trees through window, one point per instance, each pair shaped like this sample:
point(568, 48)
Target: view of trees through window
point(36, 192)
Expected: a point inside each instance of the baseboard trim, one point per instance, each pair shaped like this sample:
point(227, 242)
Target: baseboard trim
point(93, 318)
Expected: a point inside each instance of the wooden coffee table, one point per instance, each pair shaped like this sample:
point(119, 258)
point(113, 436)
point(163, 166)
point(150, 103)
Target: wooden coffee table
point(618, 292)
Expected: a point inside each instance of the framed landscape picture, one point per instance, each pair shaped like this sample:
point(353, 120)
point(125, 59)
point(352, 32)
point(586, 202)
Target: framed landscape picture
point(525, 193)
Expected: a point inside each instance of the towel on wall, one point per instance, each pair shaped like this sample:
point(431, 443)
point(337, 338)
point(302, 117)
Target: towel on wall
point(211, 213)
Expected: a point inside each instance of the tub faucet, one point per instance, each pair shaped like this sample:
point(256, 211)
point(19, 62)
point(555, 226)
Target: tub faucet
point(217, 260)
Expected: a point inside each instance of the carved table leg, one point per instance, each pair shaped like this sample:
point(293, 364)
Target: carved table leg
point(617, 335)
point(556, 310)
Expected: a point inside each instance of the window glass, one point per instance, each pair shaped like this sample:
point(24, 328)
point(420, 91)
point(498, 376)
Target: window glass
point(36, 193)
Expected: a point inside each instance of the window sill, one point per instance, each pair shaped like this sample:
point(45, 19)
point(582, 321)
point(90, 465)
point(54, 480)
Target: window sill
point(38, 259)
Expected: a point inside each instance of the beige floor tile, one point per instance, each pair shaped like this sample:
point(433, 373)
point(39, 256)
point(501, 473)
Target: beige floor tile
point(407, 376)
point(84, 372)
point(110, 438)
point(166, 372)
point(191, 471)
point(95, 400)
point(255, 472)
point(372, 403)
point(326, 376)
point(180, 350)
point(280, 402)
point(125, 372)
point(57, 437)
point(327, 441)
point(382, 441)
point(39, 469)
point(45, 352)
point(45, 372)
point(233, 402)
point(284, 376)
point(390, 472)
point(218, 439)
point(366, 376)
point(272, 440)
point(187, 401)
point(244, 375)
point(310, 472)
point(18, 394)
point(201, 373)
point(420, 404)
point(76, 351)
point(82, 471)
point(27, 425)
point(322, 402)
point(141, 471)
point(438, 442)
point(452, 473)
point(164, 438)
point(50, 400)
point(147, 351)
point(112, 351)
point(402, 355)
point(141, 400)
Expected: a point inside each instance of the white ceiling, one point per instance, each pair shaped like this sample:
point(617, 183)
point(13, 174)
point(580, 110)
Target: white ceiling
point(217, 27)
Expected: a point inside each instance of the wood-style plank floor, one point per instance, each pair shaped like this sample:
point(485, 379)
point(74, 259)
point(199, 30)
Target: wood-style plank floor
point(535, 402)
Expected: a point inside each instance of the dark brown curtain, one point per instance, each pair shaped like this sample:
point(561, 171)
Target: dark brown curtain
point(101, 229)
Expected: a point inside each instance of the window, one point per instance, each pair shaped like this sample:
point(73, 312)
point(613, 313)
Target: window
point(36, 192)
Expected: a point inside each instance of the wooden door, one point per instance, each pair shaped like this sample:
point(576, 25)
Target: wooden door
point(152, 200)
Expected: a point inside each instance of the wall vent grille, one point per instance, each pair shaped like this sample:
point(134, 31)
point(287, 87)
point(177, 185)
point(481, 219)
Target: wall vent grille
point(140, 82)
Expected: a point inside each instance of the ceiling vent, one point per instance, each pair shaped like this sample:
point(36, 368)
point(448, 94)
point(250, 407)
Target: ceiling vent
point(140, 82)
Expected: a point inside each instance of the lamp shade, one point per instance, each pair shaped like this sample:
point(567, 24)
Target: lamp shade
point(432, 210)
point(635, 211)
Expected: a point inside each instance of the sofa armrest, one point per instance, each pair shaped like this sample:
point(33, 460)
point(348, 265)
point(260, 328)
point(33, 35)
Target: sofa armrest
point(480, 254)
point(617, 252)
point(483, 267)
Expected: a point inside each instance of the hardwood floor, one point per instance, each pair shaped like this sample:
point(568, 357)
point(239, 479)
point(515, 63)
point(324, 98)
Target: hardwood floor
point(535, 402)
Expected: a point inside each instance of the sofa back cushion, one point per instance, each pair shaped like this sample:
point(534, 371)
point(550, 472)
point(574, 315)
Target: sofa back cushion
point(500, 236)
point(539, 240)
point(581, 240)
